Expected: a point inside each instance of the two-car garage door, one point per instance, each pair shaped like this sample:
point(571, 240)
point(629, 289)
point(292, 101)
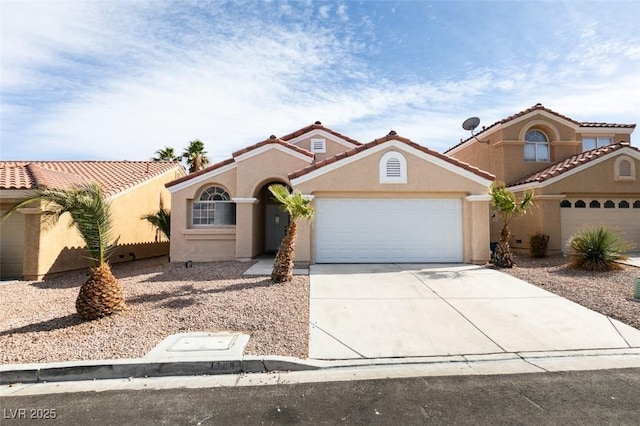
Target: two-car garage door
point(388, 230)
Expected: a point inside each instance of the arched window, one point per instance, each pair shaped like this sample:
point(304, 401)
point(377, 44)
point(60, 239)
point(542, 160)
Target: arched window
point(636, 204)
point(609, 204)
point(580, 204)
point(623, 204)
point(565, 204)
point(594, 204)
point(393, 168)
point(536, 146)
point(214, 207)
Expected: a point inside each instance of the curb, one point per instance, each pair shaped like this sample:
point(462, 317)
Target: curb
point(141, 368)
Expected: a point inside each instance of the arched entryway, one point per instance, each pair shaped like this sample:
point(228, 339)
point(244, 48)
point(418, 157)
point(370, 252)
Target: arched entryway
point(273, 222)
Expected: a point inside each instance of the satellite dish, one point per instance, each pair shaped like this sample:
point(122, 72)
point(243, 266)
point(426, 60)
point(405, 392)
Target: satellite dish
point(471, 123)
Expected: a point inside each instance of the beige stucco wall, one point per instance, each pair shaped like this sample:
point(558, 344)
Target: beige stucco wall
point(363, 176)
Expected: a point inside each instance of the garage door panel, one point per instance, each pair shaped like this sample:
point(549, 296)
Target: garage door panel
point(388, 230)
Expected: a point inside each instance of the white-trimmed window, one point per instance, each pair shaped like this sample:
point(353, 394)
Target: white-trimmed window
point(214, 207)
point(393, 168)
point(625, 168)
point(319, 145)
point(593, 142)
point(536, 146)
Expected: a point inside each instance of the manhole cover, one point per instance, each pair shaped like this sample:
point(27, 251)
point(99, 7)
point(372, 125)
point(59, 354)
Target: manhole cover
point(203, 343)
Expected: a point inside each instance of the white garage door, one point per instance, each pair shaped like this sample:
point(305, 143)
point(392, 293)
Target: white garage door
point(388, 230)
point(11, 246)
point(621, 214)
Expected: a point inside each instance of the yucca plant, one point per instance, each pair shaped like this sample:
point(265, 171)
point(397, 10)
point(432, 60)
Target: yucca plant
point(297, 207)
point(597, 249)
point(505, 203)
point(161, 220)
point(101, 294)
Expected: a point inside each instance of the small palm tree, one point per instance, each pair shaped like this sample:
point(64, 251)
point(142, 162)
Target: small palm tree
point(297, 207)
point(161, 220)
point(166, 154)
point(504, 202)
point(101, 294)
point(195, 156)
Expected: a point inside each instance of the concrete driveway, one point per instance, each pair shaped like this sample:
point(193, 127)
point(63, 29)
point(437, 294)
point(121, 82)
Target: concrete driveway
point(394, 310)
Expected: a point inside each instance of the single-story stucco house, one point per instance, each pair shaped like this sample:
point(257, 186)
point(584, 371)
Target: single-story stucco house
point(389, 200)
point(582, 173)
point(134, 188)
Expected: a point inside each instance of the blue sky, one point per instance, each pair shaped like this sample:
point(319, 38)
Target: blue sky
point(116, 80)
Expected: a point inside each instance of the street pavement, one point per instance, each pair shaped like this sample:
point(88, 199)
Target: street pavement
point(567, 398)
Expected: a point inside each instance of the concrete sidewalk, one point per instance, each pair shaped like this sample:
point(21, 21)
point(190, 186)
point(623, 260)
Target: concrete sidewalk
point(384, 311)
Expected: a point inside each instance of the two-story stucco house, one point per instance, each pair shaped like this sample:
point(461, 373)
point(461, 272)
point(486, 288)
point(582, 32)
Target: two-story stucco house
point(582, 173)
point(389, 200)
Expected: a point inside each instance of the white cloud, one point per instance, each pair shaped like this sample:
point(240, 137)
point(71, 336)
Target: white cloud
point(129, 81)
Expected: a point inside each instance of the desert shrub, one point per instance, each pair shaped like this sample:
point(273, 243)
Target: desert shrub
point(597, 249)
point(538, 244)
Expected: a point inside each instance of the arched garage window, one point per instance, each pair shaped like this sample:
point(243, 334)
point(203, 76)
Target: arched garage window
point(214, 207)
point(393, 168)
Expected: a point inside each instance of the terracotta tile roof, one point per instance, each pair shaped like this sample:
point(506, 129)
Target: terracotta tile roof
point(391, 136)
point(200, 172)
point(318, 126)
point(112, 176)
point(540, 107)
point(273, 140)
point(571, 163)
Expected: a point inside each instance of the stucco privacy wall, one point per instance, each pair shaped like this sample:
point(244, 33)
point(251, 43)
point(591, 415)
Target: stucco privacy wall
point(243, 179)
point(50, 250)
point(427, 177)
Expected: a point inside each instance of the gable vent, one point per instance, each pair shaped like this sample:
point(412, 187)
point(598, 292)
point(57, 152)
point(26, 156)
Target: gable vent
point(319, 145)
point(394, 169)
point(625, 168)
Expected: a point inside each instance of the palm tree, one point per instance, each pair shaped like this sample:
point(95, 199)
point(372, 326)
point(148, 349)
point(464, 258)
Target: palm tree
point(101, 294)
point(504, 202)
point(166, 154)
point(161, 220)
point(195, 156)
point(297, 207)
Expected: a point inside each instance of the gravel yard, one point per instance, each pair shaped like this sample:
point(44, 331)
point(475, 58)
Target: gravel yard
point(610, 293)
point(38, 321)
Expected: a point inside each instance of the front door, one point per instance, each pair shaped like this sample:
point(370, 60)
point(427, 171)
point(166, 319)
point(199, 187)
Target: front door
point(275, 226)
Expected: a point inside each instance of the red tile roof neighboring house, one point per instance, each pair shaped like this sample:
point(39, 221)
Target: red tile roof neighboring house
point(391, 136)
point(112, 176)
point(571, 163)
point(318, 126)
point(540, 107)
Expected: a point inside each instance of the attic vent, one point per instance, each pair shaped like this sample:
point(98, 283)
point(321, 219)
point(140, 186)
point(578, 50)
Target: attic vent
point(319, 145)
point(625, 168)
point(393, 168)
